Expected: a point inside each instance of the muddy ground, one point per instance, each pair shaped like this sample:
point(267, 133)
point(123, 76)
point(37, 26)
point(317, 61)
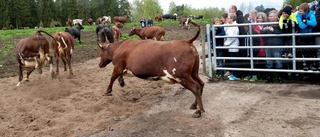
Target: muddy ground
point(76, 106)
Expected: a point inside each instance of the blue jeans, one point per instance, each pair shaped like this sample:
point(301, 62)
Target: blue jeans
point(220, 62)
point(276, 53)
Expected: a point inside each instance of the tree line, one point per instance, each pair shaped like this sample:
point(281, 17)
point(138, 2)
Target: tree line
point(45, 13)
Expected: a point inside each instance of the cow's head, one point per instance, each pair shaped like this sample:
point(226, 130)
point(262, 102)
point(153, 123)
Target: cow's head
point(80, 27)
point(132, 31)
point(105, 56)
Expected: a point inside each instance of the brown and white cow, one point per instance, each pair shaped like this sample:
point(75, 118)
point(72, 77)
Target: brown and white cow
point(64, 50)
point(185, 22)
point(32, 53)
point(116, 33)
point(175, 61)
point(152, 32)
point(122, 19)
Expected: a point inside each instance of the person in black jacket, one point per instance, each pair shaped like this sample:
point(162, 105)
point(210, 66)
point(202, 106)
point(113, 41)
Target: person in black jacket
point(273, 41)
point(317, 38)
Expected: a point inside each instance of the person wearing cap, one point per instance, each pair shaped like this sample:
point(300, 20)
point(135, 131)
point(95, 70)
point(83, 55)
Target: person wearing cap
point(288, 24)
point(306, 22)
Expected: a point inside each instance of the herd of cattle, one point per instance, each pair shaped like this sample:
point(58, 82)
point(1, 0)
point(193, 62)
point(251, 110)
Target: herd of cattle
point(175, 61)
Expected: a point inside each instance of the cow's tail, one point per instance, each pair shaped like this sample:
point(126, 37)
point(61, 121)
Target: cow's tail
point(39, 31)
point(190, 40)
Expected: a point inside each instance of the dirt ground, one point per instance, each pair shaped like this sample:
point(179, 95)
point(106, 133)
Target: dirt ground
point(76, 107)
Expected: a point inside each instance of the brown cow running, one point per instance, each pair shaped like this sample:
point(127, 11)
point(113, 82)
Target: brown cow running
point(64, 50)
point(175, 61)
point(32, 53)
point(152, 32)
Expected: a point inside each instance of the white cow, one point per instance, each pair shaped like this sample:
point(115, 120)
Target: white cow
point(107, 20)
point(76, 21)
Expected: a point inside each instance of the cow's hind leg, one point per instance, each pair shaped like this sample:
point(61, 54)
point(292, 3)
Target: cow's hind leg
point(20, 75)
point(28, 74)
point(69, 64)
point(195, 76)
point(196, 89)
point(64, 60)
point(57, 64)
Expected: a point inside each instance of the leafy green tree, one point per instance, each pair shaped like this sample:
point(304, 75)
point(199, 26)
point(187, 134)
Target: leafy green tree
point(145, 8)
point(295, 2)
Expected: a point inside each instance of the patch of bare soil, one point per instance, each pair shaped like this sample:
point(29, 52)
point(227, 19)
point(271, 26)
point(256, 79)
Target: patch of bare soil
point(76, 106)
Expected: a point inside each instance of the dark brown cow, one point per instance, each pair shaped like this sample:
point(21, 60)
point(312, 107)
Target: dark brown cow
point(122, 19)
point(116, 33)
point(185, 22)
point(158, 17)
point(11, 27)
point(152, 32)
point(64, 50)
point(69, 22)
point(90, 21)
point(175, 61)
point(32, 53)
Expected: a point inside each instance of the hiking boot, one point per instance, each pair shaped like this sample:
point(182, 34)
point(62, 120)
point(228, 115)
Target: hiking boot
point(254, 78)
point(305, 68)
point(313, 67)
point(280, 80)
point(284, 55)
point(227, 73)
point(269, 78)
point(233, 78)
point(247, 78)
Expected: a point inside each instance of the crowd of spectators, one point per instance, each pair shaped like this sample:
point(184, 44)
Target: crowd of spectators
point(300, 19)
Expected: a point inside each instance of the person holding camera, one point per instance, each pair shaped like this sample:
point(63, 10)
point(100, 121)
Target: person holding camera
point(306, 22)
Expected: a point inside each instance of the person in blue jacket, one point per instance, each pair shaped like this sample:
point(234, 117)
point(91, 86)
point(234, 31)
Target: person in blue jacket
point(306, 22)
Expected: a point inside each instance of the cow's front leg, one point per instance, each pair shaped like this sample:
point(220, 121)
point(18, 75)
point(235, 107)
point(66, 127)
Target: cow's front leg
point(115, 74)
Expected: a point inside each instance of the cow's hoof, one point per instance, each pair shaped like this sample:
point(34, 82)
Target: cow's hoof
point(53, 74)
point(108, 94)
point(39, 71)
point(193, 106)
point(196, 114)
point(121, 83)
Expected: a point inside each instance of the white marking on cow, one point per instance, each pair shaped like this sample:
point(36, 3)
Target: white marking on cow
point(127, 73)
point(174, 71)
point(174, 58)
point(187, 22)
point(169, 78)
point(64, 42)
